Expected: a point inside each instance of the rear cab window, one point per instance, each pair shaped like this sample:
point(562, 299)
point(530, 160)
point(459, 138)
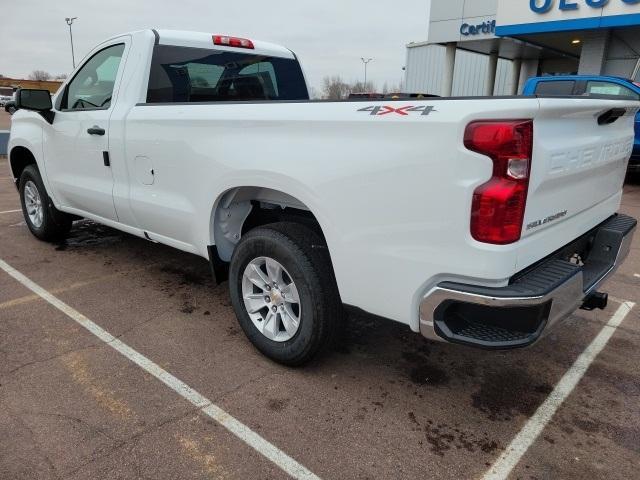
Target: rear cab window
point(186, 75)
point(558, 88)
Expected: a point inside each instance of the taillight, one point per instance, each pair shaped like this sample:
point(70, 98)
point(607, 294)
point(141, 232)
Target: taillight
point(497, 211)
point(226, 41)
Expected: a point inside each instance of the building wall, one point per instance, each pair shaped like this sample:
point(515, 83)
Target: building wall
point(51, 85)
point(424, 72)
point(447, 16)
point(622, 54)
point(610, 43)
point(424, 69)
point(594, 51)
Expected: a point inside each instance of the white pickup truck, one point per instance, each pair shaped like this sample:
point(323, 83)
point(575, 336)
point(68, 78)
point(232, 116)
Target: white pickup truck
point(480, 221)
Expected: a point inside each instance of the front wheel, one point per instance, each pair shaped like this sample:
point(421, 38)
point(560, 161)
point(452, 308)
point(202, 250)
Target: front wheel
point(43, 219)
point(284, 292)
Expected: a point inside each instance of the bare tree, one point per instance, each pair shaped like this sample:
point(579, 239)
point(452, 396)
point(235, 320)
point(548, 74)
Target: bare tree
point(361, 87)
point(314, 93)
point(60, 76)
point(334, 88)
point(39, 75)
point(394, 89)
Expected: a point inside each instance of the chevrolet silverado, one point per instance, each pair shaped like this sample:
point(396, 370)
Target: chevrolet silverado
point(479, 221)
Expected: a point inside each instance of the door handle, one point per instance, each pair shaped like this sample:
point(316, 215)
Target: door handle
point(96, 130)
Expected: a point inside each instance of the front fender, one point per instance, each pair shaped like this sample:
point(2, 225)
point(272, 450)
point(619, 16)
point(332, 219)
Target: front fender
point(27, 132)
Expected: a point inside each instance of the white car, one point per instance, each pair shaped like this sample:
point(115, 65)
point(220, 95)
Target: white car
point(481, 221)
point(4, 99)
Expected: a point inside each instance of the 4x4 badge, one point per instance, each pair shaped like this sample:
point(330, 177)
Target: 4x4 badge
point(404, 111)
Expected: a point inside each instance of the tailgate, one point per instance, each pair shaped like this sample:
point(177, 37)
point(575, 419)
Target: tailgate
point(580, 155)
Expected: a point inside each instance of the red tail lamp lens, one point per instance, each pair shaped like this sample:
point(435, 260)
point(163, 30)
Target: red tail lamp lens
point(498, 206)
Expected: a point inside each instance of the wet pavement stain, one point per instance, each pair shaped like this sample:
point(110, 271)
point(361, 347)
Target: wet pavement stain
point(187, 276)
point(188, 308)
point(627, 384)
point(422, 371)
point(427, 374)
point(86, 233)
point(442, 438)
point(509, 392)
point(277, 404)
point(412, 417)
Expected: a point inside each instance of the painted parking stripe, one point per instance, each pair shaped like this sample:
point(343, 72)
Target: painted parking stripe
point(10, 211)
point(537, 423)
point(637, 275)
point(244, 433)
point(74, 286)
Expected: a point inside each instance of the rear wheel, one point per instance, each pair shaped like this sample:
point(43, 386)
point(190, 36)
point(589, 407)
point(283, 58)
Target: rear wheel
point(284, 292)
point(43, 219)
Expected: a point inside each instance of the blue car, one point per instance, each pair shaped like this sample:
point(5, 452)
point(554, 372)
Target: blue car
point(566, 85)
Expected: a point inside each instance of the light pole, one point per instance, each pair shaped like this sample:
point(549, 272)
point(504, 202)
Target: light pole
point(69, 21)
point(366, 63)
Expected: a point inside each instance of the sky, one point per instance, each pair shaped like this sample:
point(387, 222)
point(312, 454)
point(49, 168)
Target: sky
point(329, 37)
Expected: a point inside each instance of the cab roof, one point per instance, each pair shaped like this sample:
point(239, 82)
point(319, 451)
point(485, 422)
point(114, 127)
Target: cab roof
point(183, 38)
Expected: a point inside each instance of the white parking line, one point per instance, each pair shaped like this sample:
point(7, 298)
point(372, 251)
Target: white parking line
point(10, 211)
point(637, 275)
point(537, 423)
point(244, 433)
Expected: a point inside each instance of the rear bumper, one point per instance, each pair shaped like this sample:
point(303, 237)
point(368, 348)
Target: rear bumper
point(537, 299)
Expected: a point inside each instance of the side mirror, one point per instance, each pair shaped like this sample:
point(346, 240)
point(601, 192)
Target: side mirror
point(35, 100)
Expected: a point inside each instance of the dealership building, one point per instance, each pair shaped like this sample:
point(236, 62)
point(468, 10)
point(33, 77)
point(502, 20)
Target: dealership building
point(491, 47)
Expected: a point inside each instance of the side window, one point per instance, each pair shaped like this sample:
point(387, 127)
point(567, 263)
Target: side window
point(559, 88)
point(92, 87)
point(183, 74)
point(608, 88)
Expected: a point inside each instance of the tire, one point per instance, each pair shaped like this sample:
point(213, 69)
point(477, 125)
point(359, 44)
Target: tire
point(305, 262)
point(52, 225)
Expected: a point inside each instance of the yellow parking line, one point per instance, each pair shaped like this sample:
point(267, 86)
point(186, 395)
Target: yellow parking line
point(73, 286)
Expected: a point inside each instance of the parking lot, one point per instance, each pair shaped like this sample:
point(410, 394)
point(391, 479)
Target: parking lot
point(384, 404)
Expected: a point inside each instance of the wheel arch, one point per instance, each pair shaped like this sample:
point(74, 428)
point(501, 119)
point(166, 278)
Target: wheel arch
point(248, 206)
point(19, 158)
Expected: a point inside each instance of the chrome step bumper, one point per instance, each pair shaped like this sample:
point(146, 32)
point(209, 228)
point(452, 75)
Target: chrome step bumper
point(537, 299)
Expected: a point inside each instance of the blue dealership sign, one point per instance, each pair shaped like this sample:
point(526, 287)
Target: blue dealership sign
point(544, 6)
point(525, 17)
